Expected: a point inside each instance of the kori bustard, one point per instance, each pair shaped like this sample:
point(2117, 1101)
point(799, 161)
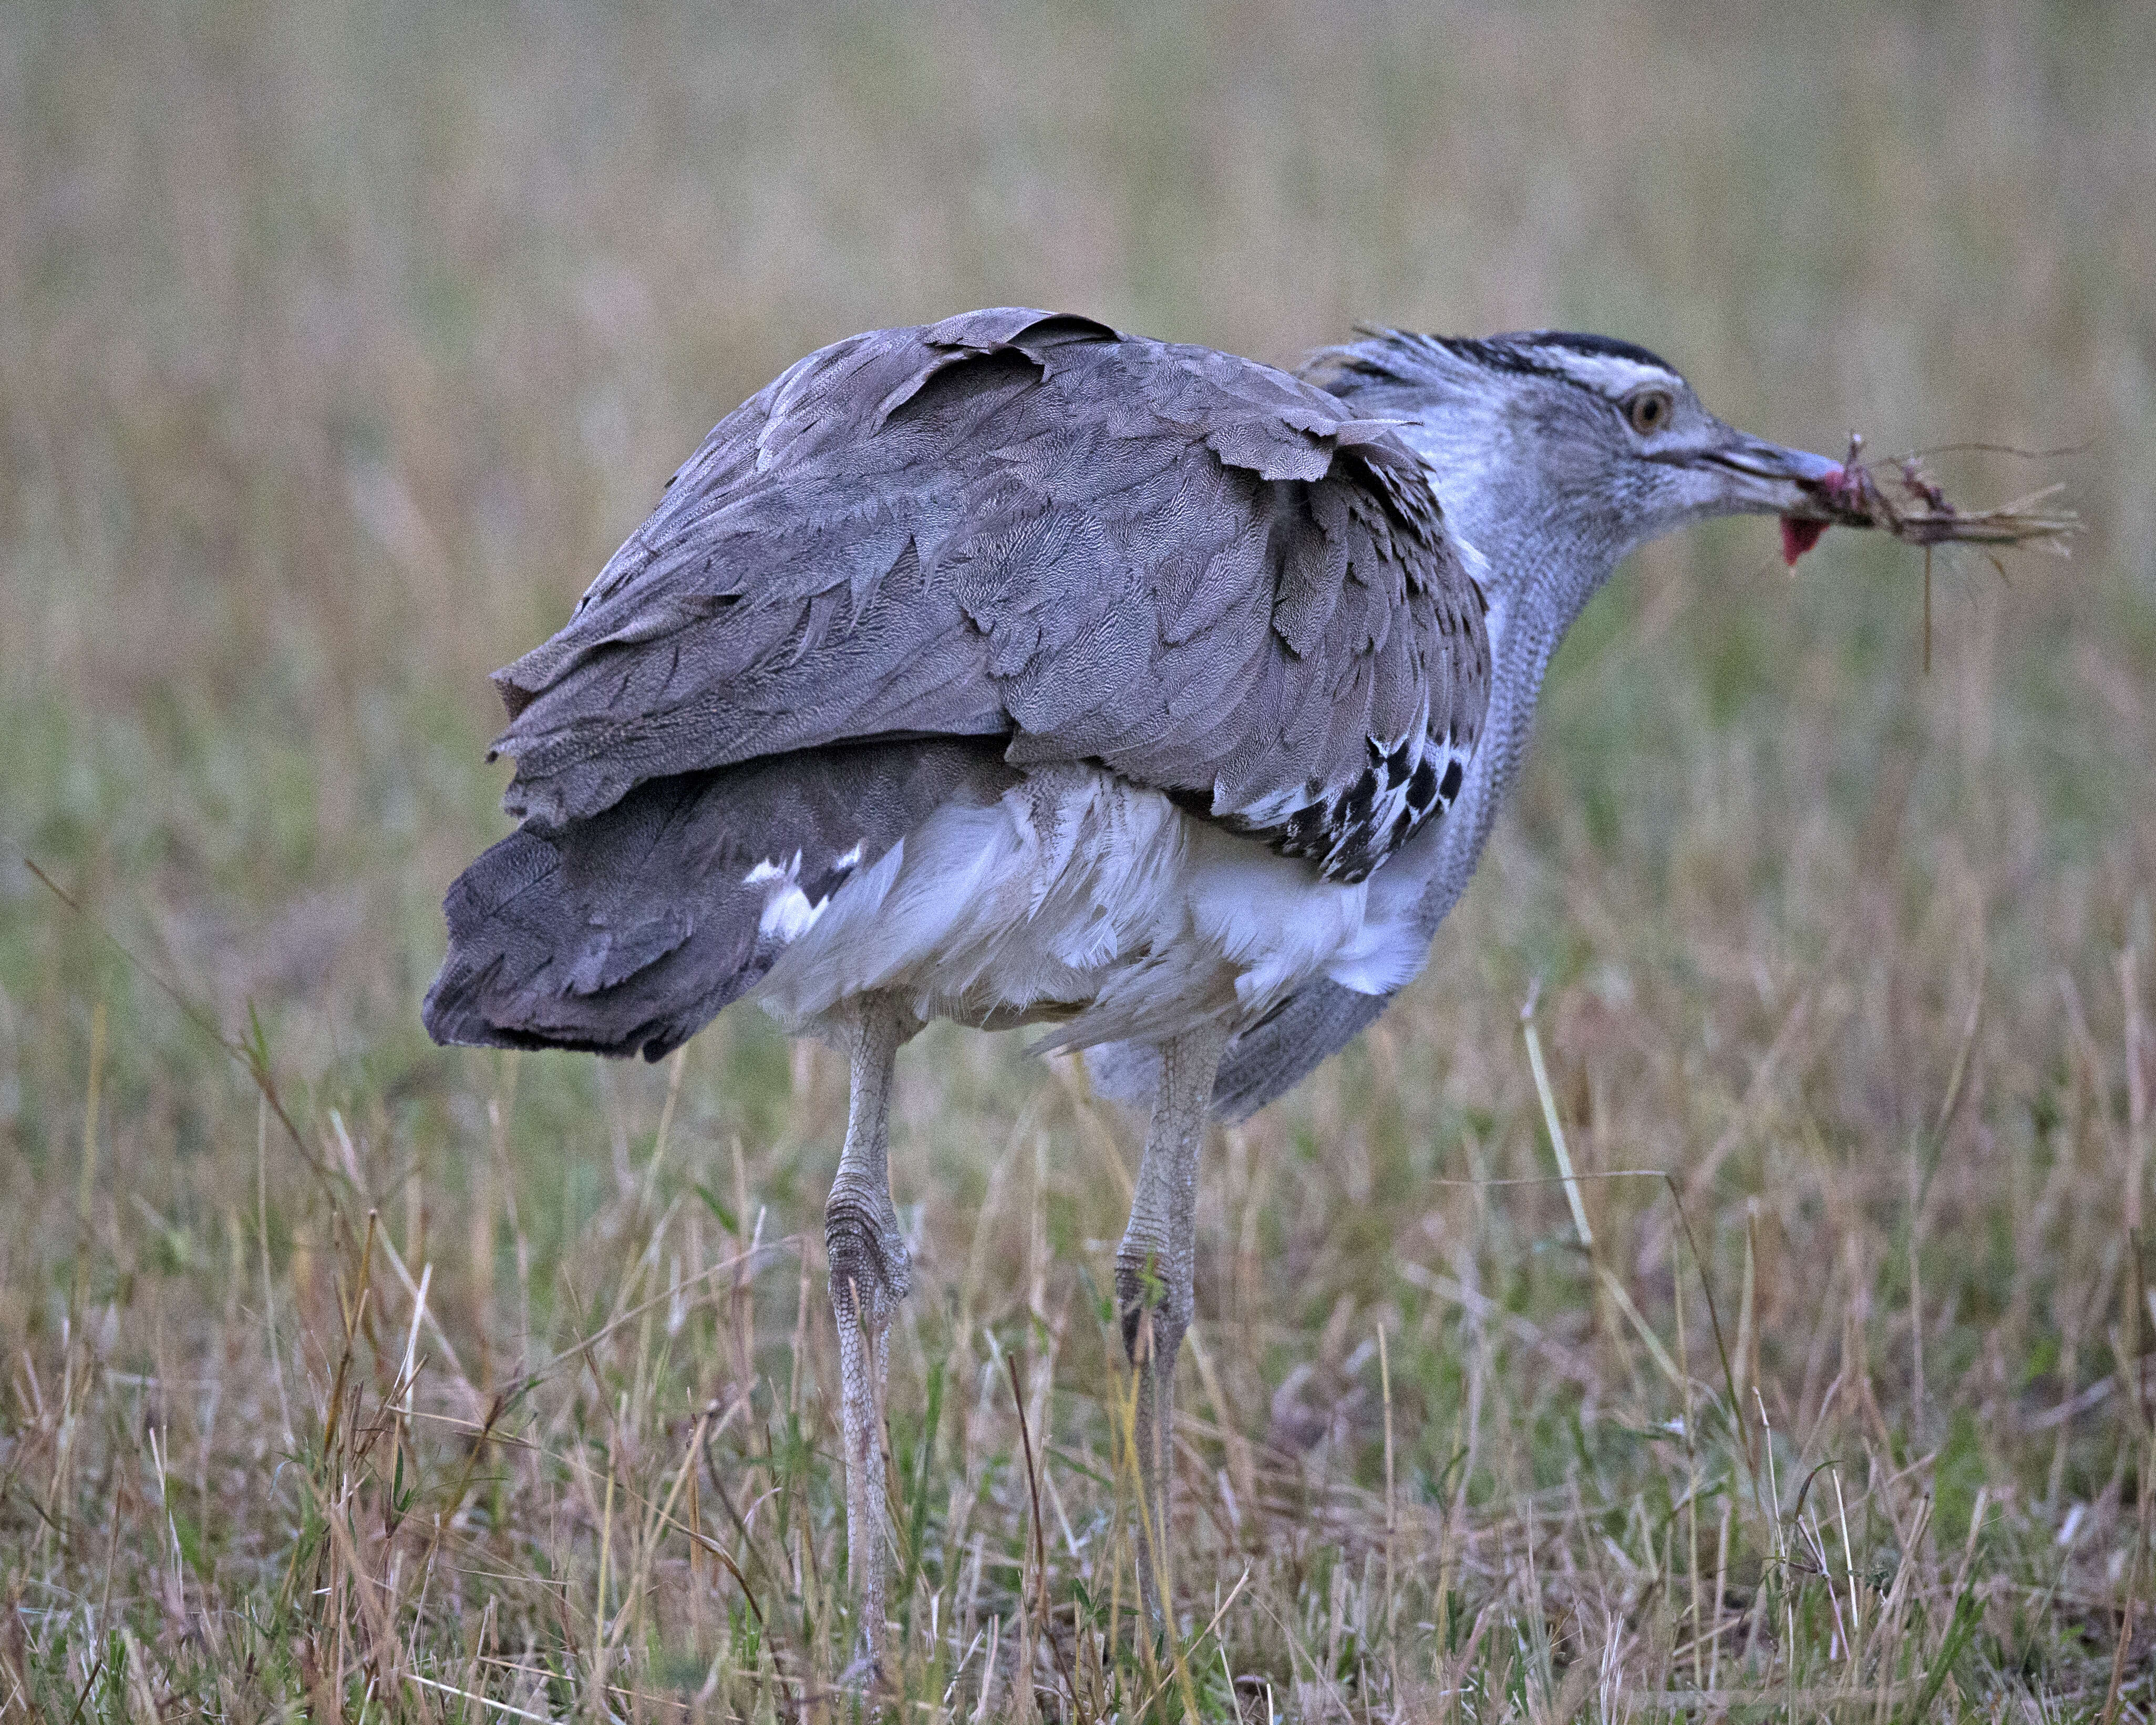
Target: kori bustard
point(1015, 670)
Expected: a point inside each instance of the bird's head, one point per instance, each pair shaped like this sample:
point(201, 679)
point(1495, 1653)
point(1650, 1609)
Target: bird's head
point(1554, 454)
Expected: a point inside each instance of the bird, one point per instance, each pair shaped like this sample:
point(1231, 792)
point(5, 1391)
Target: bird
point(1016, 670)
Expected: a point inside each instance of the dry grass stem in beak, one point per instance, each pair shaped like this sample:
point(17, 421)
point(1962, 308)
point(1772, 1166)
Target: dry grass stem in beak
point(1912, 507)
point(1908, 504)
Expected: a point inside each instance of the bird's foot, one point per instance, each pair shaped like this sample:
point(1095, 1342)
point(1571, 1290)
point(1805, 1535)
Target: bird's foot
point(866, 1676)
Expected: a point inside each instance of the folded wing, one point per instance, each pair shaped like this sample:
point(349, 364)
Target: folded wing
point(1203, 574)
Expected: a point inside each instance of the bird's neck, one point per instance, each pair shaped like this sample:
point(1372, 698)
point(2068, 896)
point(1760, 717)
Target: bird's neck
point(1542, 581)
point(1538, 579)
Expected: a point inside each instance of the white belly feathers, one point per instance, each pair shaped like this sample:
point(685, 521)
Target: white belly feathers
point(1079, 899)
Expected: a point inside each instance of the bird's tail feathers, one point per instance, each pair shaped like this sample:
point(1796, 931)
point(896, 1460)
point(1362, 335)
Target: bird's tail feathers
point(626, 932)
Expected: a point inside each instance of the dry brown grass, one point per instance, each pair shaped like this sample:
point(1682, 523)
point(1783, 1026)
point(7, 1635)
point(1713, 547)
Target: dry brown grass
point(337, 348)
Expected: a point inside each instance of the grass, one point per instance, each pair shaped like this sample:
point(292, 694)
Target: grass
point(338, 348)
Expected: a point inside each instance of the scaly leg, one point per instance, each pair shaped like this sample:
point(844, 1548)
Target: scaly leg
point(867, 1257)
point(1155, 1266)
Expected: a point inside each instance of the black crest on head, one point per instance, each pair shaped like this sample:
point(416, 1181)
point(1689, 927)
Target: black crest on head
point(1529, 351)
point(1387, 356)
point(1608, 346)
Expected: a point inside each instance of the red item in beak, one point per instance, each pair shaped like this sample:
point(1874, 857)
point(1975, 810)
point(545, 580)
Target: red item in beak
point(1798, 537)
point(1844, 485)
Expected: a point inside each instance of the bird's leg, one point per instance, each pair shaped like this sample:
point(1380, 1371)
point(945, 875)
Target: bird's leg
point(867, 1257)
point(1154, 1268)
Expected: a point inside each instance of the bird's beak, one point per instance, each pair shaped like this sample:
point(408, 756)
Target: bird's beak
point(1762, 478)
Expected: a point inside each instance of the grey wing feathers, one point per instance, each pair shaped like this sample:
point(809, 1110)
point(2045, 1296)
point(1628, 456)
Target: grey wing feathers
point(627, 932)
point(1205, 575)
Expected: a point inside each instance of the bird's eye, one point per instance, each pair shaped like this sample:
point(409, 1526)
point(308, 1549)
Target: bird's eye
point(1649, 411)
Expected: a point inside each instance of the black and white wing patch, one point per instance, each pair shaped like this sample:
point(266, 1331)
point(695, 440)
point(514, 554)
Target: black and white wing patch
point(1348, 832)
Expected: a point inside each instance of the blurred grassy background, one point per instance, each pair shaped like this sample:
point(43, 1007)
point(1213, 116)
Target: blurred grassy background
point(339, 345)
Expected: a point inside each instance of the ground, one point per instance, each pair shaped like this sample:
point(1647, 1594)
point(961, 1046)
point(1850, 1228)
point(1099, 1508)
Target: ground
point(342, 1375)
